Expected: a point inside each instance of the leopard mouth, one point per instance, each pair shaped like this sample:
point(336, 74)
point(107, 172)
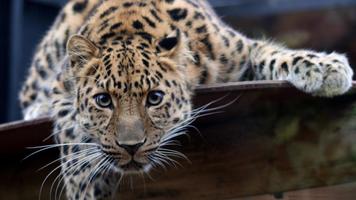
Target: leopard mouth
point(130, 164)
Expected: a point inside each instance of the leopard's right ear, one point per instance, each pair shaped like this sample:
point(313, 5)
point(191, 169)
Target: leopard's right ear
point(80, 50)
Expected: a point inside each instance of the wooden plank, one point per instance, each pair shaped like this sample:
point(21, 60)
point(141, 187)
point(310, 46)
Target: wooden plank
point(339, 192)
point(16, 136)
point(272, 139)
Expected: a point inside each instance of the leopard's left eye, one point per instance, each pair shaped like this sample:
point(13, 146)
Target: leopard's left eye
point(154, 98)
point(103, 100)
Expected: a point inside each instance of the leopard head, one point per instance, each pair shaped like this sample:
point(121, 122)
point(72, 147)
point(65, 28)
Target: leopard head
point(132, 96)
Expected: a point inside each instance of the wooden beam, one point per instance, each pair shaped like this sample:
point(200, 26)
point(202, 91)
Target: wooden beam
point(272, 139)
point(340, 192)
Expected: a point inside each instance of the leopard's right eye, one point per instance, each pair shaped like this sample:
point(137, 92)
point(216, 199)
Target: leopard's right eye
point(103, 100)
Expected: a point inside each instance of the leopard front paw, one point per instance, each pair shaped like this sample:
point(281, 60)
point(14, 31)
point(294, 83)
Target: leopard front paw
point(328, 76)
point(337, 81)
point(337, 77)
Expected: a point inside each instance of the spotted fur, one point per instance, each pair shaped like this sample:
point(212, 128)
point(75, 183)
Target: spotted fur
point(128, 49)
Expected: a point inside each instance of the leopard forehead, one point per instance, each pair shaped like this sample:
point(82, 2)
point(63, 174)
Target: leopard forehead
point(131, 68)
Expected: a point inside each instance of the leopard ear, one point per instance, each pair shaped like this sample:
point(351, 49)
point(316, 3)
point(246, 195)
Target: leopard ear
point(81, 50)
point(171, 45)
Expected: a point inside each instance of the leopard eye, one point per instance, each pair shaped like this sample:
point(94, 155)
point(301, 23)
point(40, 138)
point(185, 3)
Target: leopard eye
point(103, 100)
point(154, 98)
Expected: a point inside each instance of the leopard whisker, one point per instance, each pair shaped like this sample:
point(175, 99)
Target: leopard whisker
point(117, 185)
point(211, 102)
point(142, 175)
point(173, 135)
point(79, 164)
point(66, 156)
point(173, 153)
point(168, 159)
point(178, 130)
point(218, 107)
point(47, 147)
point(94, 172)
point(93, 155)
point(155, 160)
point(164, 158)
point(107, 168)
point(200, 112)
point(48, 175)
point(169, 143)
point(86, 159)
point(149, 175)
point(56, 133)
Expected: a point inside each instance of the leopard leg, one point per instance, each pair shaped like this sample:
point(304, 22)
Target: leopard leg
point(319, 74)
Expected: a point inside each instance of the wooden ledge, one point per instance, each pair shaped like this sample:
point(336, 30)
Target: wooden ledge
point(274, 138)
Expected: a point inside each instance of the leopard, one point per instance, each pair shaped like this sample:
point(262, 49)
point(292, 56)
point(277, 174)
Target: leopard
point(118, 77)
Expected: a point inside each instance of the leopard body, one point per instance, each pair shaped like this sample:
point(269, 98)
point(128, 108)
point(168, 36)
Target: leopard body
point(132, 53)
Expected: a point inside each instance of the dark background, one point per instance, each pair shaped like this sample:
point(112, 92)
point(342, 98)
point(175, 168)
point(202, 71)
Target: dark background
point(319, 24)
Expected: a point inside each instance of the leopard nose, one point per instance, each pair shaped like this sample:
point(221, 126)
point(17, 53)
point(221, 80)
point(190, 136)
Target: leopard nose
point(131, 148)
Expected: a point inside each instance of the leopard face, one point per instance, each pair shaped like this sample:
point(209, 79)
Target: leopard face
point(131, 96)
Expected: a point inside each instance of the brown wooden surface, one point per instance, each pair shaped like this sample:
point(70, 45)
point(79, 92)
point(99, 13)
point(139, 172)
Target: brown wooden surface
point(16, 136)
point(272, 139)
point(340, 192)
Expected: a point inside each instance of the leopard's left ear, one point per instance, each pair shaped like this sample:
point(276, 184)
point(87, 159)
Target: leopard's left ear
point(80, 49)
point(171, 45)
